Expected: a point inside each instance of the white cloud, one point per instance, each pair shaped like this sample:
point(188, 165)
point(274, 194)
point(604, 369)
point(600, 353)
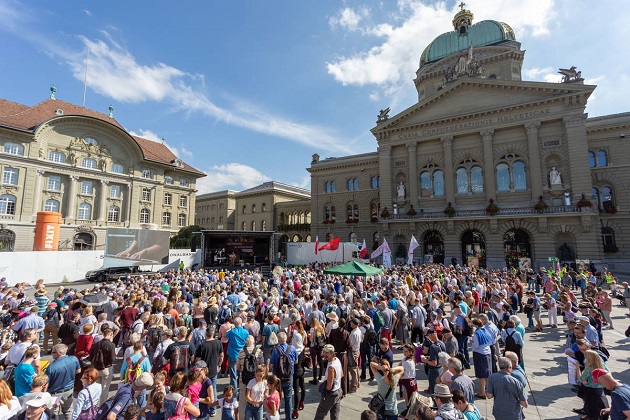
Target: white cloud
point(233, 175)
point(150, 135)
point(537, 73)
point(392, 62)
point(348, 19)
point(114, 72)
point(87, 12)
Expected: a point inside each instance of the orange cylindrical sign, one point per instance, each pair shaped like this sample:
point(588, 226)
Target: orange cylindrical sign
point(47, 229)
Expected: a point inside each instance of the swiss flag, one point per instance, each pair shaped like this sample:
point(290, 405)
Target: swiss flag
point(330, 246)
point(363, 252)
point(316, 244)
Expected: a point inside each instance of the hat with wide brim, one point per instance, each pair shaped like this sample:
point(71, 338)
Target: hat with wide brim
point(442, 391)
point(333, 316)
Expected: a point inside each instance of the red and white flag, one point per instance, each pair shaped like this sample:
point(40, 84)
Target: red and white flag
point(363, 250)
point(316, 244)
point(330, 246)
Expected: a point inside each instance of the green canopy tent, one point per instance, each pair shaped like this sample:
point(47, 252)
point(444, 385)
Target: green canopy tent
point(354, 268)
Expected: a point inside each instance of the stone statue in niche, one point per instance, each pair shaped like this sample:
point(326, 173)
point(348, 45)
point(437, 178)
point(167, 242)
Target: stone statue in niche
point(401, 190)
point(554, 177)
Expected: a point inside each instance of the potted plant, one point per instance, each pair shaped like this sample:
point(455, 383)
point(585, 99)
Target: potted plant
point(411, 211)
point(385, 212)
point(584, 202)
point(492, 208)
point(541, 206)
point(449, 210)
point(610, 209)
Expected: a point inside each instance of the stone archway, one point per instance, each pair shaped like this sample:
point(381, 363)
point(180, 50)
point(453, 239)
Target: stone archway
point(473, 248)
point(518, 249)
point(84, 241)
point(433, 247)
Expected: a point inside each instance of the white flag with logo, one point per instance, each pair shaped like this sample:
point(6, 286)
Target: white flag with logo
point(387, 255)
point(412, 246)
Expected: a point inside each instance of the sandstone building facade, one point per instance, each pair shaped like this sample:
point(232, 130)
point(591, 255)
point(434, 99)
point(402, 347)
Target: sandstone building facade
point(56, 156)
point(486, 168)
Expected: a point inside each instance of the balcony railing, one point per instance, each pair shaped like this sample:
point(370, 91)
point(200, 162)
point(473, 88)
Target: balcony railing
point(483, 214)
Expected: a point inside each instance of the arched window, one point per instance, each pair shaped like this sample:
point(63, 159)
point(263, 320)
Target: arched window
point(591, 160)
point(7, 240)
point(431, 181)
point(244, 209)
point(51, 205)
point(14, 149)
point(327, 187)
point(375, 182)
point(116, 168)
point(511, 174)
point(503, 177)
point(332, 186)
point(91, 141)
point(329, 213)
point(253, 208)
point(425, 184)
point(462, 181)
point(244, 226)
point(606, 196)
point(438, 183)
point(602, 158)
point(56, 157)
point(7, 204)
point(113, 214)
point(263, 225)
point(264, 207)
point(353, 184)
point(374, 210)
point(518, 174)
point(89, 163)
point(355, 212)
point(253, 225)
point(85, 211)
point(181, 220)
point(145, 216)
point(282, 218)
point(476, 180)
point(296, 238)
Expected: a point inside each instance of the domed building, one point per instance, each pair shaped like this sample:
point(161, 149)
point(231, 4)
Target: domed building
point(485, 168)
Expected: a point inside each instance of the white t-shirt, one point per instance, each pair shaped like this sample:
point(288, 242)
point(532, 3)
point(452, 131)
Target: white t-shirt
point(409, 367)
point(298, 342)
point(7, 413)
point(229, 406)
point(257, 389)
point(336, 364)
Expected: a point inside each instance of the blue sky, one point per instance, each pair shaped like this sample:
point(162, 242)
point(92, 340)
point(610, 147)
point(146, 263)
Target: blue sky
point(247, 91)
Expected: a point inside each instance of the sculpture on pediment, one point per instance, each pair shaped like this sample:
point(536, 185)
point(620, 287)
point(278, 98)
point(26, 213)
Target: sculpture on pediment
point(570, 75)
point(383, 115)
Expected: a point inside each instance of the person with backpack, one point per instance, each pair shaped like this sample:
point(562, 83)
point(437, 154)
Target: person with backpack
point(102, 356)
point(250, 359)
point(463, 332)
point(513, 340)
point(281, 363)
point(134, 366)
point(61, 374)
point(116, 407)
point(52, 322)
point(269, 336)
point(370, 340)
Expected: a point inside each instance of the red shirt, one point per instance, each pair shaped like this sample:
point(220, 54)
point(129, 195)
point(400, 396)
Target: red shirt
point(83, 346)
point(128, 315)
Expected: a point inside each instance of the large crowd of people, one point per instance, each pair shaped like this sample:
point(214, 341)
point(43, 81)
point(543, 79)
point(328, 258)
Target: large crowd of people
point(168, 338)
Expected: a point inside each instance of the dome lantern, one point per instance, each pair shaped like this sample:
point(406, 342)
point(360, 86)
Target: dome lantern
point(462, 20)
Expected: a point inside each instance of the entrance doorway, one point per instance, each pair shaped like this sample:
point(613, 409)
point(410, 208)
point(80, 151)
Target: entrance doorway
point(473, 248)
point(83, 241)
point(517, 249)
point(433, 247)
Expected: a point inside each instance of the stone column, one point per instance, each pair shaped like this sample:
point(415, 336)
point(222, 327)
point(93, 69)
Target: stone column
point(102, 201)
point(577, 149)
point(37, 193)
point(412, 190)
point(488, 163)
point(127, 201)
point(535, 169)
point(449, 181)
point(71, 212)
point(385, 171)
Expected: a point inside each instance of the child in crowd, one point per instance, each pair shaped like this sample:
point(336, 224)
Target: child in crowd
point(408, 380)
point(196, 376)
point(257, 389)
point(272, 402)
point(228, 404)
point(154, 409)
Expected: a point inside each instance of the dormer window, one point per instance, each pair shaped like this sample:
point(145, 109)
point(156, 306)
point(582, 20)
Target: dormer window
point(91, 141)
point(177, 162)
point(59, 112)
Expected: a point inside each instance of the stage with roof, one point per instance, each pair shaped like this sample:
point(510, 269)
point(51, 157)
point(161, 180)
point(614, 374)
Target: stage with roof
point(234, 250)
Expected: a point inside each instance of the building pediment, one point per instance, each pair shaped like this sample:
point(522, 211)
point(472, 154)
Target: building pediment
point(475, 97)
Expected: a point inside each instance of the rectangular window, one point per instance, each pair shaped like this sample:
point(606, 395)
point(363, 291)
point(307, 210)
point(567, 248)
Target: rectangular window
point(89, 163)
point(166, 219)
point(146, 194)
point(168, 199)
point(10, 176)
point(54, 183)
point(183, 182)
point(86, 187)
point(168, 180)
point(114, 191)
point(56, 157)
point(181, 220)
point(183, 201)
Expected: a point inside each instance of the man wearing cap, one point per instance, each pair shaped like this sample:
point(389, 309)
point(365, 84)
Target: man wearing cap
point(431, 359)
point(127, 395)
point(508, 393)
point(332, 378)
point(61, 374)
point(38, 408)
point(444, 401)
point(591, 333)
point(619, 395)
point(32, 320)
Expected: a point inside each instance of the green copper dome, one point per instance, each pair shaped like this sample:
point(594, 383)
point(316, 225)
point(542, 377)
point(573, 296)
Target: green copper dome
point(486, 32)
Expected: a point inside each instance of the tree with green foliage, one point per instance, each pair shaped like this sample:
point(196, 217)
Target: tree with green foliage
point(182, 239)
